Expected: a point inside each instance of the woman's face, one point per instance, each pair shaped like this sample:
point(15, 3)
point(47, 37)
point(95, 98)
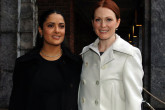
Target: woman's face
point(105, 23)
point(53, 30)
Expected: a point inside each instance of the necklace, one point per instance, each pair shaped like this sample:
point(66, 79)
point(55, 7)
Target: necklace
point(51, 56)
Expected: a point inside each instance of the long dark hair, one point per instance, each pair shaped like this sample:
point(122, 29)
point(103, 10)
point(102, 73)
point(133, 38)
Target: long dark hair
point(41, 20)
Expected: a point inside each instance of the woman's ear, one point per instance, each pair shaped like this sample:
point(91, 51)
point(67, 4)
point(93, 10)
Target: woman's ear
point(118, 22)
point(40, 30)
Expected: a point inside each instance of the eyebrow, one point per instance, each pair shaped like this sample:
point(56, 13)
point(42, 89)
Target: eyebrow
point(54, 23)
point(105, 17)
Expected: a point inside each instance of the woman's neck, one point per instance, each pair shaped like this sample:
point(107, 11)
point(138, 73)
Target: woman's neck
point(51, 52)
point(105, 44)
point(51, 49)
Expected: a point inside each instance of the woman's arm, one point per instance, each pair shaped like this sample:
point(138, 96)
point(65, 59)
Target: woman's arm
point(16, 98)
point(132, 81)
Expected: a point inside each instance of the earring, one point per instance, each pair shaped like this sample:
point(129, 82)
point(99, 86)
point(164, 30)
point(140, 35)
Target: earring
point(116, 29)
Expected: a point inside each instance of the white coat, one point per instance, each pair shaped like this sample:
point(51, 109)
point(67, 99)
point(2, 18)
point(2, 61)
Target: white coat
point(112, 81)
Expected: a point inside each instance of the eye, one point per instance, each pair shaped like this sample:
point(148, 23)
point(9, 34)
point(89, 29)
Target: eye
point(97, 20)
point(62, 26)
point(50, 25)
point(108, 19)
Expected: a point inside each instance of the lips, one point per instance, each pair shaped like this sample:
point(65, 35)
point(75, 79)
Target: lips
point(103, 31)
point(56, 37)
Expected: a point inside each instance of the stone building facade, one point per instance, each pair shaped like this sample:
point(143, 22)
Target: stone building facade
point(18, 29)
point(157, 43)
point(17, 34)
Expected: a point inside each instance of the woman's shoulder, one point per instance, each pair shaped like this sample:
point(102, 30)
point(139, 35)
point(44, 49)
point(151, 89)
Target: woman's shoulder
point(123, 46)
point(31, 55)
point(86, 48)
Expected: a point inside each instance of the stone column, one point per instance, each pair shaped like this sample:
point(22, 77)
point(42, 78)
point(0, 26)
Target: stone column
point(146, 48)
point(27, 26)
point(17, 36)
point(158, 52)
point(8, 39)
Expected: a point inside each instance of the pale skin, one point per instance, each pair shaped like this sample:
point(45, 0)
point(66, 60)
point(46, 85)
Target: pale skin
point(105, 24)
point(53, 32)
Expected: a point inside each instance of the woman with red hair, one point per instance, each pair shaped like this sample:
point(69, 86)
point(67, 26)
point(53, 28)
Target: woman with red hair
point(112, 73)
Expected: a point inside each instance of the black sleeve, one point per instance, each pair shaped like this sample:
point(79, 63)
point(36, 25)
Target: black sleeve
point(17, 95)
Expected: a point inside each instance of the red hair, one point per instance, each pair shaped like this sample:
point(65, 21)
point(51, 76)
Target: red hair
point(110, 4)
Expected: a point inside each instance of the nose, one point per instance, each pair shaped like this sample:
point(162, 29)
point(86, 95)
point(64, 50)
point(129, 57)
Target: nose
point(56, 29)
point(103, 24)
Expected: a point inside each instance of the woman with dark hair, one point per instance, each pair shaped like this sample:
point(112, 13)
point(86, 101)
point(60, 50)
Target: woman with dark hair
point(112, 73)
point(47, 77)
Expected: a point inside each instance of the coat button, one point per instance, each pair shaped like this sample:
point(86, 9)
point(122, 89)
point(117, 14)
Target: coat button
point(97, 82)
point(83, 100)
point(86, 63)
point(103, 67)
point(83, 82)
point(96, 102)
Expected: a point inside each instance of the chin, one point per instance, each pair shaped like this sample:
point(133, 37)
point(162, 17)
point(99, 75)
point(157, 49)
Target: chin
point(58, 42)
point(55, 43)
point(103, 38)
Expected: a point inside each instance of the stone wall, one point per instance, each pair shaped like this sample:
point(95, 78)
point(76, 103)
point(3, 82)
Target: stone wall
point(18, 31)
point(8, 45)
point(158, 51)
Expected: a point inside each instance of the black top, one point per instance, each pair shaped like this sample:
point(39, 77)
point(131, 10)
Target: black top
point(101, 53)
point(39, 84)
point(49, 85)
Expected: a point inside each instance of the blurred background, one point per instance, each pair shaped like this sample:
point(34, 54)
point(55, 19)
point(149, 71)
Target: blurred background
point(142, 25)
